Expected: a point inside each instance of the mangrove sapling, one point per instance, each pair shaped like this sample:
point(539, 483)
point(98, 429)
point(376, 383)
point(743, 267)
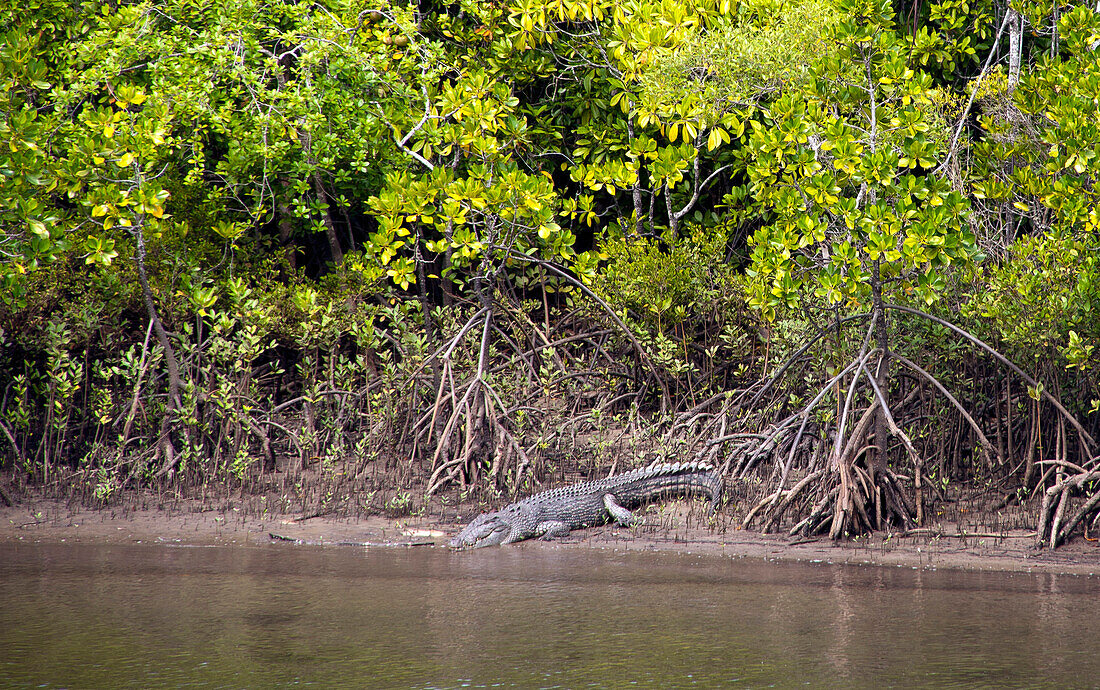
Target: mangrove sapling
point(1041, 390)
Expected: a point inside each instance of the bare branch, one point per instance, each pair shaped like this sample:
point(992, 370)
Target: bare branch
point(951, 149)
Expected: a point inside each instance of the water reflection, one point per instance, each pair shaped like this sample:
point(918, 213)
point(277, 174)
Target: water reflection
point(142, 616)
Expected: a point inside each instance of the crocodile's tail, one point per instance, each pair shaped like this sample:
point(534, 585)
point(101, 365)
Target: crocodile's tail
point(665, 479)
point(714, 481)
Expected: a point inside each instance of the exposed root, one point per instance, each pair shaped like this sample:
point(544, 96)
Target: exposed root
point(1054, 527)
point(849, 482)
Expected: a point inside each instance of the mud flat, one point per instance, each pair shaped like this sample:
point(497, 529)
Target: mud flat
point(672, 530)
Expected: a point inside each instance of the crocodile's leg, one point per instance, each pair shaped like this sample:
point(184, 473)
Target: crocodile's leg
point(552, 528)
point(622, 516)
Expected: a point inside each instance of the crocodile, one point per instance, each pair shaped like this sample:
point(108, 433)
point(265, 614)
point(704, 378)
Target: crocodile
point(556, 512)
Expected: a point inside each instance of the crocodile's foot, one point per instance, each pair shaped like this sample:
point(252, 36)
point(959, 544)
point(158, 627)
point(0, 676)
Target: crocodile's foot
point(552, 528)
point(624, 517)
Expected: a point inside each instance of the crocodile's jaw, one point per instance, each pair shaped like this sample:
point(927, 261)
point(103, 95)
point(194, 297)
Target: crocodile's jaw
point(487, 530)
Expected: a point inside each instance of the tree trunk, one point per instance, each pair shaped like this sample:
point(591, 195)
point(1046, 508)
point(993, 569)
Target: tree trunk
point(1055, 38)
point(306, 141)
point(285, 226)
point(426, 308)
point(1094, 44)
point(637, 191)
point(882, 375)
point(326, 218)
point(174, 384)
point(673, 219)
point(1015, 46)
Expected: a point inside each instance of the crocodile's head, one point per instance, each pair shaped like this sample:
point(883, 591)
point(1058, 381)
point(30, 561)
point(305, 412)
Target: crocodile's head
point(489, 529)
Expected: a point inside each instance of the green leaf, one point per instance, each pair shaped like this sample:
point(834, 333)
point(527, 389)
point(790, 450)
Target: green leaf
point(714, 139)
point(38, 228)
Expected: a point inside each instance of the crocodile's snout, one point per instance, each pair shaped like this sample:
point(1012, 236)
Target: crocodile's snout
point(485, 530)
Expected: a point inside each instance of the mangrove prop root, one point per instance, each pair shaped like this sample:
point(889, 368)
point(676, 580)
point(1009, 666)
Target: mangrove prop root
point(1054, 528)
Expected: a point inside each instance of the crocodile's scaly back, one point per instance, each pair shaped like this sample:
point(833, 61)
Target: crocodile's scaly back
point(557, 511)
point(647, 484)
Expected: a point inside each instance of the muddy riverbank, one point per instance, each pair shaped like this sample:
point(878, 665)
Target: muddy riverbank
point(671, 528)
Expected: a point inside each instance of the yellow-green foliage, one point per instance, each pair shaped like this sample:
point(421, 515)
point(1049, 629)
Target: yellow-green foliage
point(1043, 297)
point(763, 46)
point(665, 284)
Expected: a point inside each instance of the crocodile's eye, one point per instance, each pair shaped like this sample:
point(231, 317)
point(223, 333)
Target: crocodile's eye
point(491, 531)
point(492, 526)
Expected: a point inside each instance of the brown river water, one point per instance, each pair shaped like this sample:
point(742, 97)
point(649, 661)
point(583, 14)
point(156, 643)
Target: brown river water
point(114, 616)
